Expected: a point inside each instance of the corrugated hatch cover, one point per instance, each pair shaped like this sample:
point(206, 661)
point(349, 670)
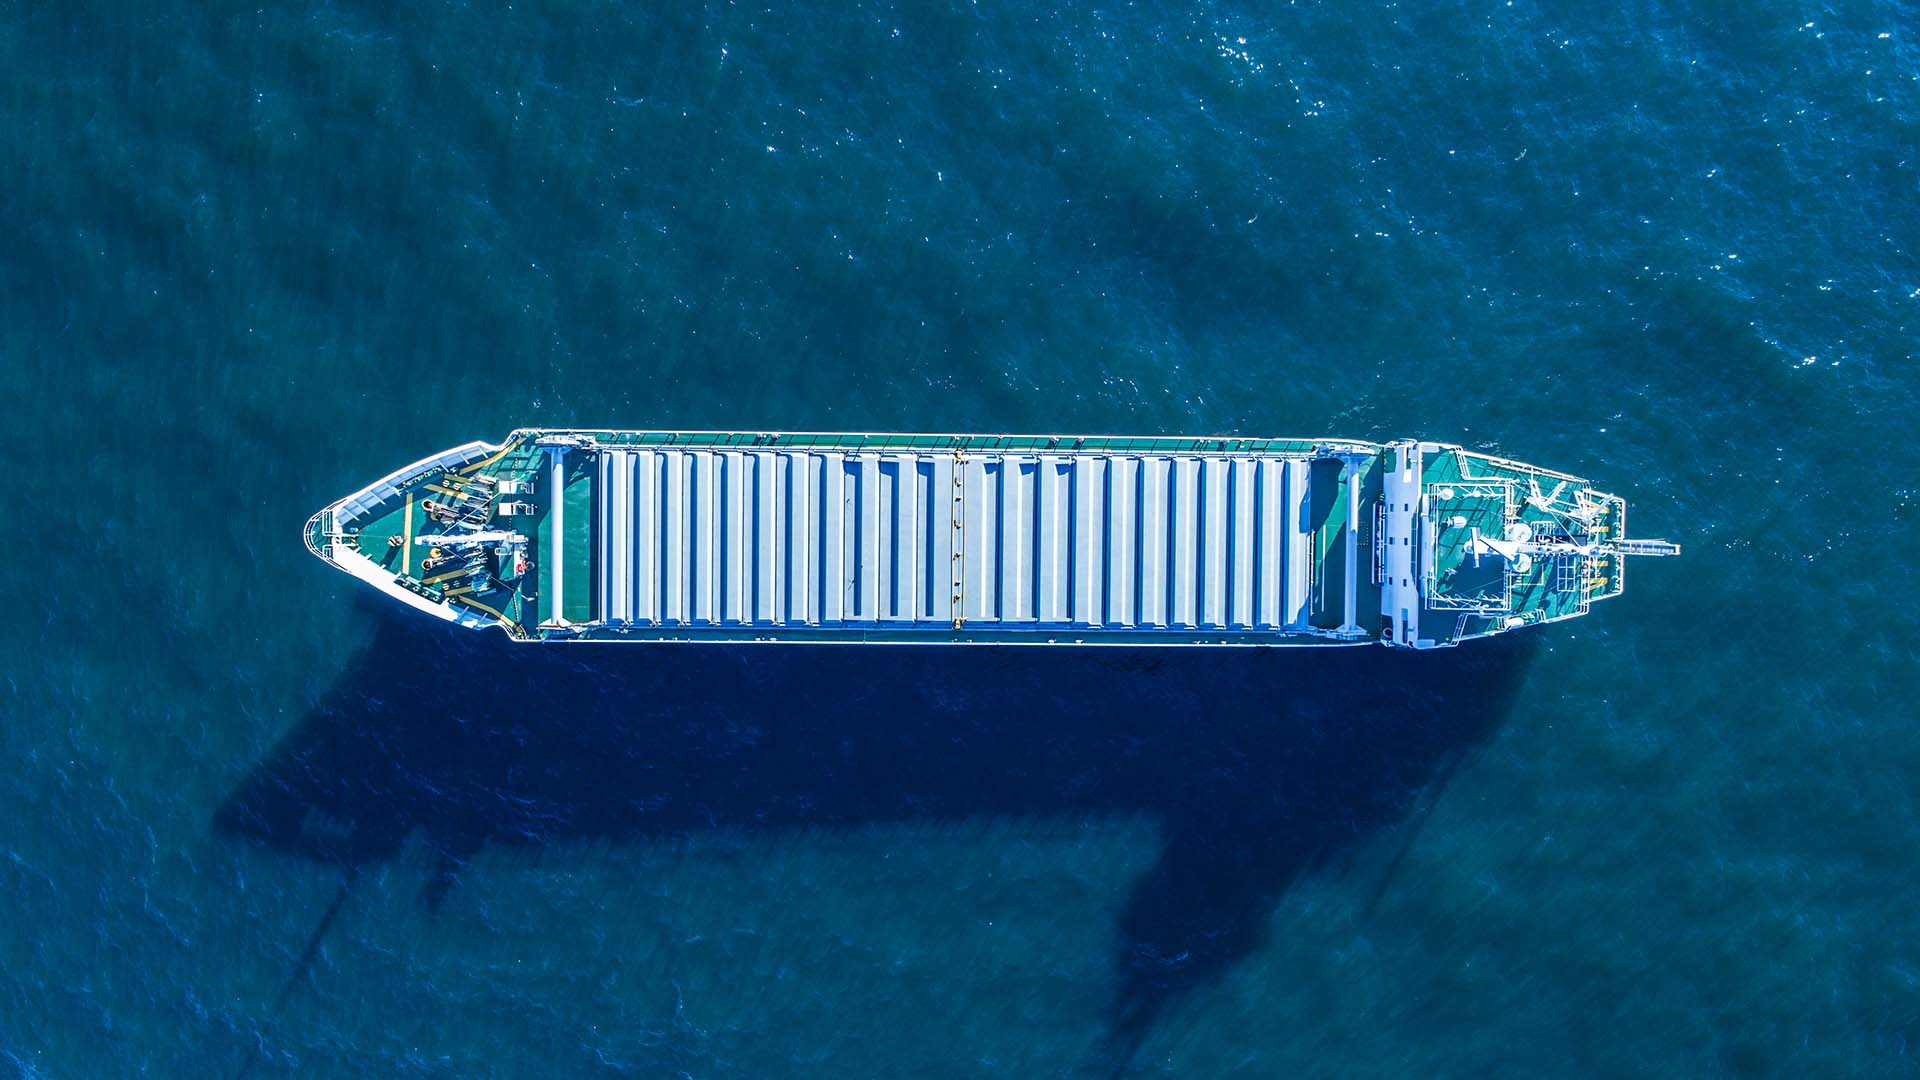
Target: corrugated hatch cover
point(823, 538)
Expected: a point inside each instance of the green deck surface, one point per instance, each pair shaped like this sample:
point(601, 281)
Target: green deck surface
point(542, 574)
point(1543, 592)
point(1367, 598)
point(1327, 514)
point(577, 604)
point(373, 535)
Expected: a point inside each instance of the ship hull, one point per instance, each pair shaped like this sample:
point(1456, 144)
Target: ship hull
point(642, 536)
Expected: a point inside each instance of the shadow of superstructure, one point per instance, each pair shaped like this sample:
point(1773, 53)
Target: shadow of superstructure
point(1264, 764)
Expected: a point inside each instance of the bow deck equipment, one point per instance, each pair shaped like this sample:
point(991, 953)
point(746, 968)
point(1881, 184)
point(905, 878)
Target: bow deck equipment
point(716, 536)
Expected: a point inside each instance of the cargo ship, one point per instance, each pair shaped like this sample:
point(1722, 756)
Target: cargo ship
point(658, 536)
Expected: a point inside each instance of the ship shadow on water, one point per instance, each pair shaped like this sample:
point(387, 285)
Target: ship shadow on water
point(1263, 764)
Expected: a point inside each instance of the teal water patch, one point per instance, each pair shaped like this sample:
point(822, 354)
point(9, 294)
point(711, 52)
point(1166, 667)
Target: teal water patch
point(256, 258)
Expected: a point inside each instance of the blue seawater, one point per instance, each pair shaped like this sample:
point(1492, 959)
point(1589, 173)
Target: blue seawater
point(252, 256)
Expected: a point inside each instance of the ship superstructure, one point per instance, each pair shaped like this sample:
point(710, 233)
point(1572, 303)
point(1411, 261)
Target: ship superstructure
point(602, 535)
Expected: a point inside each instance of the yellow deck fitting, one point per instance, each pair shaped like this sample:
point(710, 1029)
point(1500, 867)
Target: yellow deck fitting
point(406, 543)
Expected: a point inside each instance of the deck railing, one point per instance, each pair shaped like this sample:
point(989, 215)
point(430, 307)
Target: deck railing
point(318, 532)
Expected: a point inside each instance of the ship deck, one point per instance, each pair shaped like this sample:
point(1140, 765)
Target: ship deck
point(756, 536)
point(1489, 495)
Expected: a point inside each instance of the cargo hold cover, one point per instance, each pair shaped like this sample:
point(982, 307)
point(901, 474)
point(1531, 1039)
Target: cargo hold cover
point(806, 538)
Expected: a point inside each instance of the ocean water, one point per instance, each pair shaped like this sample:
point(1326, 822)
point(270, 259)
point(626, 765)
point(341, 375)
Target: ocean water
point(251, 257)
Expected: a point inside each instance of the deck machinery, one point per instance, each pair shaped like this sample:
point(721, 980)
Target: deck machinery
point(582, 535)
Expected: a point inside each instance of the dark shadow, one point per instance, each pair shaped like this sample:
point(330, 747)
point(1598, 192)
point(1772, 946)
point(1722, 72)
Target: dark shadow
point(1264, 763)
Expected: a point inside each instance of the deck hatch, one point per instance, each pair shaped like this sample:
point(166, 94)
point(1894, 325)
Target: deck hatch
point(733, 536)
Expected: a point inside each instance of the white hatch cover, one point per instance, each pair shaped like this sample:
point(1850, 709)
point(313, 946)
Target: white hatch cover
point(825, 538)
